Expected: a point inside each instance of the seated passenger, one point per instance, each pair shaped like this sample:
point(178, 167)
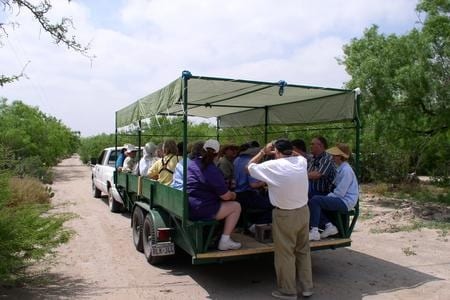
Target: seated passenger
point(121, 157)
point(129, 164)
point(225, 164)
point(251, 193)
point(162, 170)
point(195, 151)
point(159, 151)
point(148, 159)
point(209, 197)
point(300, 148)
point(321, 170)
point(342, 199)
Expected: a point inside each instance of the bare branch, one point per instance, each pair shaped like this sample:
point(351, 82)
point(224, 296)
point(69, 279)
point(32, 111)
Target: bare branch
point(9, 79)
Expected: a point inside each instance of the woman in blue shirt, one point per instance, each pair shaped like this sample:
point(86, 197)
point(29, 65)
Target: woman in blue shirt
point(195, 151)
point(343, 198)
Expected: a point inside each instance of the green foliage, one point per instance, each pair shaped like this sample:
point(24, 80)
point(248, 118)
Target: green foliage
point(92, 146)
point(406, 95)
point(30, 142)
point(33, 166)
point(30, 134)
point(156, 130)
point(28, 232)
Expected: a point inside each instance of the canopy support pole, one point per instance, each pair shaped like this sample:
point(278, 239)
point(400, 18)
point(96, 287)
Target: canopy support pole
point(115, 149)
point(185, 75)
point(139, 143)
point(266, 125)
point(217, 129)
point(358, 134)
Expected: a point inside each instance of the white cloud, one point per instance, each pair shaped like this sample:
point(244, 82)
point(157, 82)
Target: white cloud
point(153, 41)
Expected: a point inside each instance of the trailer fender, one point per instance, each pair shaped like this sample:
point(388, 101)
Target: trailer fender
point(145, 207)
point(159, 217)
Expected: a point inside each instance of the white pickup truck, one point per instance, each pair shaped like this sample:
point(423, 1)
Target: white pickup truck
point(103, 178)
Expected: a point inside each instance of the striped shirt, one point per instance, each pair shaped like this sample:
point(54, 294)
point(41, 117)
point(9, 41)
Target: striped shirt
point(323, 163)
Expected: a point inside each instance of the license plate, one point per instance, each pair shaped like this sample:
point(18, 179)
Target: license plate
point(163, 249)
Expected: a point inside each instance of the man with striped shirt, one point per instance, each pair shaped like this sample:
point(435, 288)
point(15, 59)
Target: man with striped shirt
point(321, 169)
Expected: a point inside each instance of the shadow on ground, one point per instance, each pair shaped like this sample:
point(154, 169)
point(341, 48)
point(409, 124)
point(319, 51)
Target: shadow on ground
point(338, 274)
point(50, 286)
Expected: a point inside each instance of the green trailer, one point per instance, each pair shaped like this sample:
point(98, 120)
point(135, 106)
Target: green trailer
point(160, 214)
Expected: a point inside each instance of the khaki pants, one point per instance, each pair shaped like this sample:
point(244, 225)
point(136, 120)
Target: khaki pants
point(290, 231)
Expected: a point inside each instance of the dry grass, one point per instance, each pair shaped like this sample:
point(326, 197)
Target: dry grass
point(422, 192)
point(27, 191)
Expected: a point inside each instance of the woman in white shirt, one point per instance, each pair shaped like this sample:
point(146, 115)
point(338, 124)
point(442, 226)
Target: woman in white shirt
point(148, 159)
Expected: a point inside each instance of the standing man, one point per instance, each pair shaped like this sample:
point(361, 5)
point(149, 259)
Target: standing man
point(287, 180)
point(321, 169)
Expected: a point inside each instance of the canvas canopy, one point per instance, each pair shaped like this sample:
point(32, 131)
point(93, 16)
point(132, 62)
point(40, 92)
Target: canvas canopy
point(242, 103)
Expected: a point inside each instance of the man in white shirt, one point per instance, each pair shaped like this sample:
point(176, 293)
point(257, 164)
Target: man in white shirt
point(287, 179)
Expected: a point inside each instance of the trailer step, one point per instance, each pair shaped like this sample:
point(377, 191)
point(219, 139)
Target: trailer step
point(251, 246)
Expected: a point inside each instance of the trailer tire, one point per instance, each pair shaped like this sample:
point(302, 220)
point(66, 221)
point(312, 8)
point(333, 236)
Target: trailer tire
point(114, 206)
point(138, 224)
point(95, 191)
point(149, 237)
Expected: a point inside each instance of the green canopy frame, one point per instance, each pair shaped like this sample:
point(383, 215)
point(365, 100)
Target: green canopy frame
point(245, 103)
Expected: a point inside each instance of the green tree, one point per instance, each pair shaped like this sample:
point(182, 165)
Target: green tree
point(28, 232)
point(59, 31)
point(405, 83)
point(33, 137)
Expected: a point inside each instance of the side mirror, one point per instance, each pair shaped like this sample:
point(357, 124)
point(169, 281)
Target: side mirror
point(93, 160)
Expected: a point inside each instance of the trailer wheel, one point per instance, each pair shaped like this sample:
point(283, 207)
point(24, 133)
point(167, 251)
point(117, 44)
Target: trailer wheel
point(95, 191)
point(114, 206)
point(149, 237)
point(138, 224)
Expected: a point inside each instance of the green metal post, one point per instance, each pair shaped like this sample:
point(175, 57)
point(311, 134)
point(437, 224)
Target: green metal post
point(115, 149)
point(217, 129)
point(139, 141)
point(358, 136)
point(185, 75)
point(266, 121)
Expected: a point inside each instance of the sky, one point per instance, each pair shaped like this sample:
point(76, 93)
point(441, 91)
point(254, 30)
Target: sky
point(140, 46)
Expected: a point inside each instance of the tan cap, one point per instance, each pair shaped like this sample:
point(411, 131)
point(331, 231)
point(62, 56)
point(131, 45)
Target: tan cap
point(337, 151)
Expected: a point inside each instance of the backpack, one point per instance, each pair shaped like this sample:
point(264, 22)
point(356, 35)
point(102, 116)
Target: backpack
point(165, 163)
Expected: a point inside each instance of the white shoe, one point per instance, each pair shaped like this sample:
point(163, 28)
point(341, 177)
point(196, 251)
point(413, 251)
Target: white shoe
point(314, 235)
point(252, 229)
point(280, 295)
point(229, 245)
point(330, 230)
point(307, 293)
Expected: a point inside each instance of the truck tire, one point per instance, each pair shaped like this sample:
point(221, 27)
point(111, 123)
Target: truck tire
point(138, 224)
point(114, 206)
point(95, 191)
point(149, 237)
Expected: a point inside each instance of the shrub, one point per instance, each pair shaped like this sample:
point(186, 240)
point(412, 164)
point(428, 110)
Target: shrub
point(34, 167)
point(27, 191)
point(28, 232)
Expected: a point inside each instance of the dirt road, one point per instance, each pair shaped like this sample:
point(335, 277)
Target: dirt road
point(100, 261)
